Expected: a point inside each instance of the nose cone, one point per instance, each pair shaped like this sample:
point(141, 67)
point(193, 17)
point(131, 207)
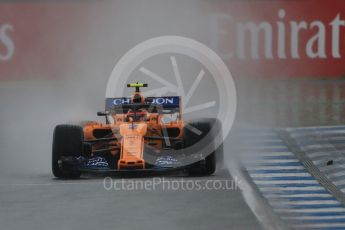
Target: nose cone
point(131, 163)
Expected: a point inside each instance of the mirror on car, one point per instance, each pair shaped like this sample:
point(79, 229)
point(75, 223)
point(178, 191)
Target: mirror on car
point(103, 113)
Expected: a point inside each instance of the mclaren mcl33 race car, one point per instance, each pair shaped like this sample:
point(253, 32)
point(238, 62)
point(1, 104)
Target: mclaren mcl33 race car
point(139, 134)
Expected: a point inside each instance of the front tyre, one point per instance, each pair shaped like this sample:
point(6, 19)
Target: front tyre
point(67, 142)
point(211, 135)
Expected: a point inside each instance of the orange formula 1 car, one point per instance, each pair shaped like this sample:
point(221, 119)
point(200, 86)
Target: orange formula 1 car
point(140, 134)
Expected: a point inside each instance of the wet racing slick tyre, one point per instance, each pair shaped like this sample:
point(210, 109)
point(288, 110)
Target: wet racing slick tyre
point(67, 142)
point(211, 133)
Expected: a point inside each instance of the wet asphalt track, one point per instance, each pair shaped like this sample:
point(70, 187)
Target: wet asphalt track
point(41, 202)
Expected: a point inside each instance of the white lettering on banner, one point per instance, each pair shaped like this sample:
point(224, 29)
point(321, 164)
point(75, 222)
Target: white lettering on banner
point(281, 36)
point(7, 42)
point(121, 101)
point(254, 31)
point(254, 40)
point(320, 39)
point(336, 23)
point(161, 101)
point(157, 100)
point(295, 28)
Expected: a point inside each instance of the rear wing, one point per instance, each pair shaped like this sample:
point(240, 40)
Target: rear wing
point(168, 105)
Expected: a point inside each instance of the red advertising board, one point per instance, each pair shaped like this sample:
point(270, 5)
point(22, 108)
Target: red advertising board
point(34, 38)
point(284, 38)
point(297, 39)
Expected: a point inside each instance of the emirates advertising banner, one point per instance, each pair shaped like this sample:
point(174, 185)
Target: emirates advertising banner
point(261, 38)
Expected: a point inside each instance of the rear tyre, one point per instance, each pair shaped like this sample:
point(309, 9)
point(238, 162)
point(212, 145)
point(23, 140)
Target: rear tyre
point(210, 135)
point(67, 142)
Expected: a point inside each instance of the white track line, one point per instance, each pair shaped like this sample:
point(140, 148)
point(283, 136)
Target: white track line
point(342, 173)
point(253, 167)
point(303, 202)
point(269, 175)
point(271, 161)
point(310, 210)
point(332, 217)
point(339, 182)
point(268, 154)
point(286, 182)
point(285, 196)
point(274, 188)
point(321, 225)
point(269, 147)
